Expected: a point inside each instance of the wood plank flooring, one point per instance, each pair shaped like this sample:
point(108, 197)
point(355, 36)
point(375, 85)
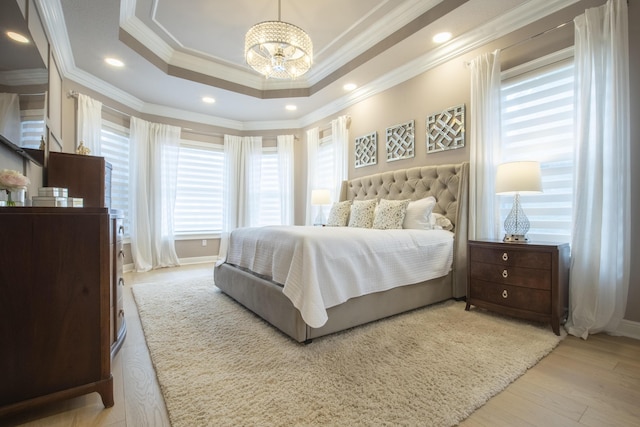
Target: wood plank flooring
point(581, 383)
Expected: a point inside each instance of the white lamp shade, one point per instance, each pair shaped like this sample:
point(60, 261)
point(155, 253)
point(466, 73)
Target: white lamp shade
point(518, 177)
point(320, 197)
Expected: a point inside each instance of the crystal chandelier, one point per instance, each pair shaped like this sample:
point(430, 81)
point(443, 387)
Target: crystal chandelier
point(278, 49)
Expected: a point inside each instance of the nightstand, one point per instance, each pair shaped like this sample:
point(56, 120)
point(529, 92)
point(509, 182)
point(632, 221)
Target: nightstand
point(525, 280)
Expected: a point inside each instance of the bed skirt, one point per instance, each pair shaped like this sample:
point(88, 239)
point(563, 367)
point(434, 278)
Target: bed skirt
point(265, 298)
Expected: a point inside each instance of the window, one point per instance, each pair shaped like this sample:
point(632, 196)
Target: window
point(325, 167)
point(31, 128)
point(114, 147)
point(537, 124)
point(270, 191)
point(199, 189)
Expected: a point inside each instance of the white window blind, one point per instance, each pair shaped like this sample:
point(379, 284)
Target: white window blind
point(325, 167)
point(537, 124)
point(199, 189)
point(31, 128)
point(270, 191)
point(114, 146)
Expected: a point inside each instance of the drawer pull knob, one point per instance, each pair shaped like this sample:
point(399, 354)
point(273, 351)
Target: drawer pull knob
point(121, 229)
point(505, 256)
point(505, 274)
point(121, 254)
point(505, 294)
point(121, 281)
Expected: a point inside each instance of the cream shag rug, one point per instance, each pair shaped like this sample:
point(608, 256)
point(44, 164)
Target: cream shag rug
point(218, 364)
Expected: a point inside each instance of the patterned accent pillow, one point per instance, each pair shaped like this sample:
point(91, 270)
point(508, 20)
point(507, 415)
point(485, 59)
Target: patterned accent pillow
point(339, 214)
point(390, 214)
point(418, 214)
point(362, 213)
point(441, 222)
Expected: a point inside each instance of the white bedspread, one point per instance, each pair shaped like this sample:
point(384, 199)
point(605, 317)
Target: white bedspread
point(321, 267)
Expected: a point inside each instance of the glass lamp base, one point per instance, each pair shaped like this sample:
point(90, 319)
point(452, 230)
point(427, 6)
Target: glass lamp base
point(517, 238)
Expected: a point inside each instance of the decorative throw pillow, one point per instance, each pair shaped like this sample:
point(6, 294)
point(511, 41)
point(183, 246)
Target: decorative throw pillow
point(390, 214)
point(441, 222)
point(362, 213)
point(339, 214)
point(418, 212)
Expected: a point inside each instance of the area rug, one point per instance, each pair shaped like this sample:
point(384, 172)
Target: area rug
point(218, 364)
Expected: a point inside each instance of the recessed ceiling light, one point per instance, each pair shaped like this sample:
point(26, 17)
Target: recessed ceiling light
point(208, 99)
point(17, 37)
point(291, 107)
point(442, 37)
point(114, 62)
point(350, 86)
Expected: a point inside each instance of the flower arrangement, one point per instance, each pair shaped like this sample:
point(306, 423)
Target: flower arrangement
point(11, 180)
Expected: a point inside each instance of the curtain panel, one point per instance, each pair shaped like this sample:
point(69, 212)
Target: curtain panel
point(313, 142)
point(154, 151)
point(10, 117)
point(241, 189)
point(599, 277)
point(285, 177)
point(484, 217)
point(89, 124)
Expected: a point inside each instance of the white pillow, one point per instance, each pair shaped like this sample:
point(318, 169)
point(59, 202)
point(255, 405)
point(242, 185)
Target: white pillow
point(339, 214)
point(390, 214)
point(418, 213)
point(362, 213)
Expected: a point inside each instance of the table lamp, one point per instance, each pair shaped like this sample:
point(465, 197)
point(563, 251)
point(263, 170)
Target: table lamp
point(518, 178)
point(320, 198)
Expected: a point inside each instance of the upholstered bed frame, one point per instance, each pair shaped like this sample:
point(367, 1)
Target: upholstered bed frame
point(447, 183)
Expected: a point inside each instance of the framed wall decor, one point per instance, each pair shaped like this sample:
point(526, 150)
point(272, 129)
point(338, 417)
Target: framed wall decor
point(400, 141)
point(367, 150)
point(445, 130)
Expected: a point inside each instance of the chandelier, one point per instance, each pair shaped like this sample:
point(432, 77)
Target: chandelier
point(278, 49)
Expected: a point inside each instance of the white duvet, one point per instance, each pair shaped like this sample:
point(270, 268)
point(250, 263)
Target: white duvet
point(321, 267)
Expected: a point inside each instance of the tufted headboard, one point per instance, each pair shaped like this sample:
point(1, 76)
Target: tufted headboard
point(449, 184)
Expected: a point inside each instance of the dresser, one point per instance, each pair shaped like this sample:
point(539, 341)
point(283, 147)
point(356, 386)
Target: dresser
point(118, 326)
point(55, 284)
point(525, 280)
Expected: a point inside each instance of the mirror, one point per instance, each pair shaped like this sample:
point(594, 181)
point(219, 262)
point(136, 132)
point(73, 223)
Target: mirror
point(23, 85)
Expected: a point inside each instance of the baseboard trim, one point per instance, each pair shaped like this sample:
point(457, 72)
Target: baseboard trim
point(198, 260)
point(628, 328)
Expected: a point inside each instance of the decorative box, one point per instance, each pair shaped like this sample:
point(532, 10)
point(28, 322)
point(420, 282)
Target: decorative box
point(54, 202)
point(52, 192)
point(75, 202)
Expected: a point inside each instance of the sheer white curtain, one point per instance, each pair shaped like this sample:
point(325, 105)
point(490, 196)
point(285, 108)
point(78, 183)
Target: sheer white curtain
point(10, 117)
point(285, 177)
point(313, 142)
point(599, 278)
point(340, 136)
point(484, 219)
point(153, 177)
point(241, 193)
point(89, 123)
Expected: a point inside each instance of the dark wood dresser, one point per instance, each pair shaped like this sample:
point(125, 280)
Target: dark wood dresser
point(55, 286)
point(525, 280)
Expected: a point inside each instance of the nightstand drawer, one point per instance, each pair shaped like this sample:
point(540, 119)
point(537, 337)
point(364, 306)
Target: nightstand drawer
point(509, 275)
point(511, 257)
point(535, 300)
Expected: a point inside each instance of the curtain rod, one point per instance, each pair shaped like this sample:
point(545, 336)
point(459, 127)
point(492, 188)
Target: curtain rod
point(75, 93)
point(542, 33)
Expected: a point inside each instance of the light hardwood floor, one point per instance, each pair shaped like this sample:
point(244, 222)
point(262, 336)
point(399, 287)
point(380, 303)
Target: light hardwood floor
point(581, 383)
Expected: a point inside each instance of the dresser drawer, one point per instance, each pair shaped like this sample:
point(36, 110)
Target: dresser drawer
point(535, 300)
point(510, 257)
point(509, 275)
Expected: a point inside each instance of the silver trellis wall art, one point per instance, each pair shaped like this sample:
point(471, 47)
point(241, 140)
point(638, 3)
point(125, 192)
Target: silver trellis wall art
point(400, 141)
point(367, 150)
point(445, 130)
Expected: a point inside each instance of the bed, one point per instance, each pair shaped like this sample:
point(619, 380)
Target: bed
point(258, 292)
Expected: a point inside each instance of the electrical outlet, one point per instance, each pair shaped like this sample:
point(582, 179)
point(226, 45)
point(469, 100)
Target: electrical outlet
point(204, 242)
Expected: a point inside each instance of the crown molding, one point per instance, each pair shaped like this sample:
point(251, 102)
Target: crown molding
point(529, 12)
